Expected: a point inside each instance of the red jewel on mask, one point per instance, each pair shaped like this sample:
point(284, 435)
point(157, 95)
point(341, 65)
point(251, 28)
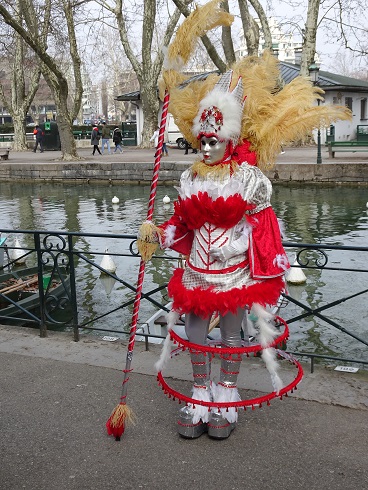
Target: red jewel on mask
point(213, 113)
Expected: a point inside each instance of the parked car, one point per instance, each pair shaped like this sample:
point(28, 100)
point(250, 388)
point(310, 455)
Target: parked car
point(174, 134)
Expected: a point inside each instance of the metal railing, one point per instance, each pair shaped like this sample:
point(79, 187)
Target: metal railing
point(9, 137)
point(63, 262)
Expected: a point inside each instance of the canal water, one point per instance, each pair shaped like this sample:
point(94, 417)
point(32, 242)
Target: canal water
point(332, 215)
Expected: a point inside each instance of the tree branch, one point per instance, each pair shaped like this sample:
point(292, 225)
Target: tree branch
point(211, 50)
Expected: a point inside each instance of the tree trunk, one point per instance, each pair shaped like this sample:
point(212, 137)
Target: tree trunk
point(51, 68)
point(250, 29)
point(67, 141)
point(227, 42)
point(150, 106)
point(264, 23)
point(19, 123)
point(309, 41)
point(68, 145)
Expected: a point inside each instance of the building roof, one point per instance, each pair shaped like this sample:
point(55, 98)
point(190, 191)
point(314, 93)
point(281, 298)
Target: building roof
point(136, 95)
point(326, 80)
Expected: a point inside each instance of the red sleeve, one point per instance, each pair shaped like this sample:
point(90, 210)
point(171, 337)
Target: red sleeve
point(176, 235)
point(267, 256)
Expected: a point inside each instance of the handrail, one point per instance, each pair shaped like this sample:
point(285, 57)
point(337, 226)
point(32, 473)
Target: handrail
point(56, 251)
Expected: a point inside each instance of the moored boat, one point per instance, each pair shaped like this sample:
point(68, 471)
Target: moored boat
point(2, 250)
point(20, 292)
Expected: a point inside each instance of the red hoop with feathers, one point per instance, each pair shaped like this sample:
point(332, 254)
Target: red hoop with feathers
point(212, 349)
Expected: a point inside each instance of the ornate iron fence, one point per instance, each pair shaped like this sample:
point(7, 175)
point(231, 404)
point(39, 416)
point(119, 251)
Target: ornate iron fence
point(43, 283)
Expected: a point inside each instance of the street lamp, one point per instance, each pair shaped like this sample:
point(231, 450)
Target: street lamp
point(313, 74)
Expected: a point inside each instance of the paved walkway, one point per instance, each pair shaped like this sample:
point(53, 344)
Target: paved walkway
point(133, 154)
point(56, 396)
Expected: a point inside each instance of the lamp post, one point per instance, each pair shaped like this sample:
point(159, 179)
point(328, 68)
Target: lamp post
point(313, 74)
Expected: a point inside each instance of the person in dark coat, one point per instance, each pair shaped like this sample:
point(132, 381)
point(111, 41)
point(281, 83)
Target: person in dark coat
point(39, 138)
point(187, 145)
point(95, 138)
point(117, 138)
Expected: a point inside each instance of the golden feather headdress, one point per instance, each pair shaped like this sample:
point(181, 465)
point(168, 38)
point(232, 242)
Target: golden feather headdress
point(271, 116)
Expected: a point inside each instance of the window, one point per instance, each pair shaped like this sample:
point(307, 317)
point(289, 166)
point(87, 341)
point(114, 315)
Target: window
point(349, 102)
point(363, 109)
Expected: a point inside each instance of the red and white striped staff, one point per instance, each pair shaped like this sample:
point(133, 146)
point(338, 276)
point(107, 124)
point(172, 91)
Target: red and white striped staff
point(122, 413)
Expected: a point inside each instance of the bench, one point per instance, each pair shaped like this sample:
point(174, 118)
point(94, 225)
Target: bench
point(81, 134)
point(352, 146)
point(4, 155)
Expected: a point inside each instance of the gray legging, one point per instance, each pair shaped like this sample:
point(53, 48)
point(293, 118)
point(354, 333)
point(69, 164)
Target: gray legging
point(196, 328)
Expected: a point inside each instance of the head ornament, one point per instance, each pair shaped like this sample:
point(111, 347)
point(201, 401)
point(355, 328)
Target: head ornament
point(220, 111)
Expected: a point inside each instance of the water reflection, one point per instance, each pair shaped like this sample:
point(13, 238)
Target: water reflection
point(311, 214)
point(315, 214)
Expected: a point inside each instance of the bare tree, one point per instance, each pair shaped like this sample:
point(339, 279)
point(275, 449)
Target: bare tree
point(35, 31)
point(263, 20)
point(147, 60)
point(343, 22)
point(310, 36)
point(215, 57)
point(250, 29)
point(23, 72)
point(109, 58)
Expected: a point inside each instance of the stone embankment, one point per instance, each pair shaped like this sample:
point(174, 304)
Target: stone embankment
point(135, 166)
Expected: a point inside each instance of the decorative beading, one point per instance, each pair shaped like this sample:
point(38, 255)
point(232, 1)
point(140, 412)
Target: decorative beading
point(213, 348)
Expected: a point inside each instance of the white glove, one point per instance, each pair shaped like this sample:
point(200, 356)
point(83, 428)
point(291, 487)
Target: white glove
point(226, 252)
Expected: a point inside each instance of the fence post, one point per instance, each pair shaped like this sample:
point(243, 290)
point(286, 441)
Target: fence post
point(43, 327)
point(73, 293)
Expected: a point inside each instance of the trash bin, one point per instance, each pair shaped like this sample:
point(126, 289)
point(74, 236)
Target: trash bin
point(51, 139)
point(330, 134)
point(129, 133)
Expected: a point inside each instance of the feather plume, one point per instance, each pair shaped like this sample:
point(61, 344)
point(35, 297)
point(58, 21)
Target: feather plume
point(222, 394)
point(148, 239)
point(274, 114)
point(165, 354)
point(200, 21)
point(199, 412)
point(267, 331)
point(186, 101)
point(171, 320)
point(269, 358)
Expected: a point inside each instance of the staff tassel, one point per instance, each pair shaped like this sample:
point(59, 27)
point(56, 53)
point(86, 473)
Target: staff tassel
point(122, 415)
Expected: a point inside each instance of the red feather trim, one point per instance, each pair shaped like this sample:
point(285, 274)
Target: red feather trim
point(242, 154)
point(200, 209)
point(114, 431)
point(203, 302)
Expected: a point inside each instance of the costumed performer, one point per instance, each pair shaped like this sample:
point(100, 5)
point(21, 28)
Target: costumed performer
point(224, 223)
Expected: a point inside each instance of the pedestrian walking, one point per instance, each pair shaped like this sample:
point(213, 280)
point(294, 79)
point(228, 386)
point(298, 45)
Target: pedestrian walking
point(165, 152)
point(117, 138)
point(105, 133)
point(154, 137)
point(39, 134)
point(187, 145)
point(95, 139)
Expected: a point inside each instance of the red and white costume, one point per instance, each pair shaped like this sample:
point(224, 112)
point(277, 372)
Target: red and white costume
point(232, 211)
point(224, 224)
